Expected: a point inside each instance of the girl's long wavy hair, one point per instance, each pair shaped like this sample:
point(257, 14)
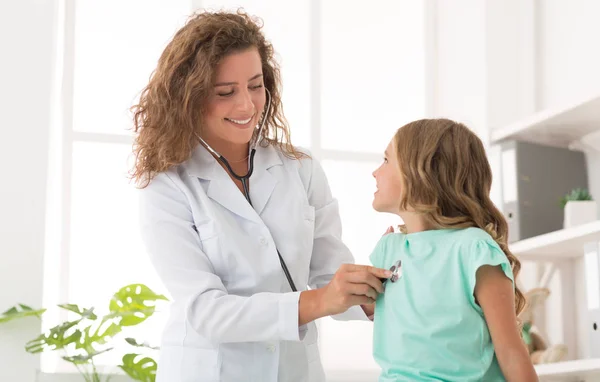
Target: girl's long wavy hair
point(170, 109)
point(447, 178)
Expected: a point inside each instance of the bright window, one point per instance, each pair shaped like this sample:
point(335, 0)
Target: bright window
point(110, 49)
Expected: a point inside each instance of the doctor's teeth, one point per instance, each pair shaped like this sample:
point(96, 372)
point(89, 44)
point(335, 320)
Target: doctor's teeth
point(240, 122)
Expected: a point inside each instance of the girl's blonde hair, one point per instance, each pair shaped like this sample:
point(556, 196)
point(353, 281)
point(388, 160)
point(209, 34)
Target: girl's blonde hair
point(447, 178)
point(170, 109)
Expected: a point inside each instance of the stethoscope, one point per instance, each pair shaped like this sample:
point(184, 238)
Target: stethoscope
point(396, 270)
point(245, 178)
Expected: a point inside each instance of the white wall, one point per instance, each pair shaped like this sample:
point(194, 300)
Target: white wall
point(460, 62)
point(569, 54)
point(484, 70)
point(26, 38)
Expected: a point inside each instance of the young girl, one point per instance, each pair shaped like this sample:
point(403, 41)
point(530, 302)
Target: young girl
point(449, 313)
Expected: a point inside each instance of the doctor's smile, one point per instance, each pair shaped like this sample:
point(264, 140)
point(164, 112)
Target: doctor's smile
point(242, 122)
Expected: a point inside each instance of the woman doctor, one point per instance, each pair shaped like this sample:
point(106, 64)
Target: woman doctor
point(237, 253)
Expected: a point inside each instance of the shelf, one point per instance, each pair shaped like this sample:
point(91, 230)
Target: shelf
point(565, 243)
point(557, 127)
point(580, 370)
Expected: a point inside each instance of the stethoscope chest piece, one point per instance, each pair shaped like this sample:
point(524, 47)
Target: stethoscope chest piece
point(396, 270)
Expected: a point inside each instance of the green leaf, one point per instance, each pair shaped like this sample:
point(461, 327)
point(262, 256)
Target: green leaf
point(574, 195)
point(84, 358)
point(134, 304)
point(20, 311)
point(526, 333)
point(100, 335)
point(133, 342)
point(139, 368)
point(56, 338)
point(84, 313)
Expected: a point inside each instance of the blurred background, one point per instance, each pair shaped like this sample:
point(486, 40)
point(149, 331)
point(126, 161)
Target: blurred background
point(353, 72)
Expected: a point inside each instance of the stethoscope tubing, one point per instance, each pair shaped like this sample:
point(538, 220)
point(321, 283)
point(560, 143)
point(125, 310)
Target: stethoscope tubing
point(245, 178)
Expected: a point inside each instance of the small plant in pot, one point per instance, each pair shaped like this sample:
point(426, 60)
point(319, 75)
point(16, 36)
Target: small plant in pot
point(579, 206)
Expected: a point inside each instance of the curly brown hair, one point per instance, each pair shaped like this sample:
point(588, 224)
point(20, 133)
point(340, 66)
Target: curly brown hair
point(170, 109)
point(450, 180)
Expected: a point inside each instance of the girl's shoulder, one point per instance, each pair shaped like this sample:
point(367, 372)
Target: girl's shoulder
point(472, 235)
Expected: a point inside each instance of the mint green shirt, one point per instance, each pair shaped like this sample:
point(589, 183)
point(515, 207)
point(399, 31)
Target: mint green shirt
point(428, 326)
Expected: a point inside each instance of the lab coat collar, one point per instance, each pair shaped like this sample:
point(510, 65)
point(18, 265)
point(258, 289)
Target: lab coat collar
point(202, 164)
point(223, 190)
point(262, 181)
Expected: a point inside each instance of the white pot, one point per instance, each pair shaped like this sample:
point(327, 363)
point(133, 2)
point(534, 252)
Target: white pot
point(580, 212)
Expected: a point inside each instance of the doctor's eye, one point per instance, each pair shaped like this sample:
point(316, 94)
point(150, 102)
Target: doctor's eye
point(225, 94)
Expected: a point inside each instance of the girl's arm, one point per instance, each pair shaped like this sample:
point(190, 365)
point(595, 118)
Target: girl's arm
point(494, 293)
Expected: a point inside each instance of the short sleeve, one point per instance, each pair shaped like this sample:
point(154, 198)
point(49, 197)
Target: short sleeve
point(377, 257)
point(486, 252)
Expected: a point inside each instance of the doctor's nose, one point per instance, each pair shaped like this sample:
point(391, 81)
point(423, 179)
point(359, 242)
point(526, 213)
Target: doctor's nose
point(245, 102)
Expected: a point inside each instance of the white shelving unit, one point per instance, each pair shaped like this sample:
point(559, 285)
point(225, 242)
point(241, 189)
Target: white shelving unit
point(557, 245)
point(574, 126)
point(565, 244)
point(557, 126)
point(580, 370)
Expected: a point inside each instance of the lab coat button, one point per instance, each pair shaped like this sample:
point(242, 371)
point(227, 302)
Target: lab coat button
point(263, 241)
point(271, 348)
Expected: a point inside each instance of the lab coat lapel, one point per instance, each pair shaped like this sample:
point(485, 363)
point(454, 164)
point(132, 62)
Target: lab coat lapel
point(262, 181)
point(224, 191)
point(220, 187)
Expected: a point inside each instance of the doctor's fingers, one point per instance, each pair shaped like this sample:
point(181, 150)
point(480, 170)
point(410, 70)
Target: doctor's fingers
point(361, 290)
point(377, 272)
point(359, 300)
point(365, 278)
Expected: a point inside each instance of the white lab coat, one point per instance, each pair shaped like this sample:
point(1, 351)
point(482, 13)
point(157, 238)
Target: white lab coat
point(233, 315)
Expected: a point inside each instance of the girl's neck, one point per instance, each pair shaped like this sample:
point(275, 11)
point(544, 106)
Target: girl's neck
point(414, 222)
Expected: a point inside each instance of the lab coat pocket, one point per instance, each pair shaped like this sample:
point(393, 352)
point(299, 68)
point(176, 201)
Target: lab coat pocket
point(315, 368)
point(311, 343)
point(188, 364)
point(212, 246)
point(312, 352)
point(307, 232)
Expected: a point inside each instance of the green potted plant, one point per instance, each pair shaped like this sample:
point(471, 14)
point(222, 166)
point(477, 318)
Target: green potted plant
point(579, 207)
point(87, 335)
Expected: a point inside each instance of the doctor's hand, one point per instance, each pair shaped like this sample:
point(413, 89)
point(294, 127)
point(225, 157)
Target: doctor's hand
point(352, 285)
point(369, 311)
